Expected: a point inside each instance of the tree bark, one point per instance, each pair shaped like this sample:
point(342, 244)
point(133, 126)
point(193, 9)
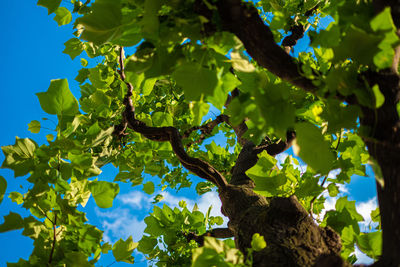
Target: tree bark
point(292, 236)
point(383, 143)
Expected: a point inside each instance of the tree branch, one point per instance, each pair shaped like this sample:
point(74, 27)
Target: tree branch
point(244, 21)
point(166, 134)
point(54, 238)
point(205, 129)
point(278, 147)
point(217, 233)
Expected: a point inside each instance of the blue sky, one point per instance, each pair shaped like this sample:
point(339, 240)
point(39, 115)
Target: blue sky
point(32, 46)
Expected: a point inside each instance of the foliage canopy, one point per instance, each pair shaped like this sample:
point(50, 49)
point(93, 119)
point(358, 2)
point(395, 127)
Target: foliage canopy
point(143, 113)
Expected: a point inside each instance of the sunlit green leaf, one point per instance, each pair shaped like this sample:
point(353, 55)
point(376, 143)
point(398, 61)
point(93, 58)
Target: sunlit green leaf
point(73, 47)
point(195, 80)
point(58, 99)
point(103, 24)
point(63, 16)
point(34, 126)
point(3, 187)
point(104, 193)
point(148, 188)
point(258, 243)
point(122, 250)
point(51, 5)
point(12, 221)
point(312, 148)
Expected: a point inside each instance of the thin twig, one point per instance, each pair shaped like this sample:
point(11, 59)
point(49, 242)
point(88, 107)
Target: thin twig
point(54, 238)
point(314, 198)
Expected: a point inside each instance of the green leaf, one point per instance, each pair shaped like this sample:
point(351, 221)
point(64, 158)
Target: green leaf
point(147, 244)
point(195, 80)
point(343, 203)
point(333, 190)
point(257, 242)
point(3, 187)
point(348, 48)
point(383, 21)
point(122, 250)
point(150, 18)
point(370, 244)
point(203, 187)
point(376, 215)
point(12, 221)
point(379, 97)
point(51, 5)
point(199, 109)
point(16, 197)
point(312, 148)
point(73, 47)
point(103, 24)
point(58, 99)
point(63, 16)
point(34, 126)
point(148, 188)
point(104, 193)
point(19, 157)
point(162, 119)
point(84, 62)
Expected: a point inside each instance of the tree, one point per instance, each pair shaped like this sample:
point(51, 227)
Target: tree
point(336, 105)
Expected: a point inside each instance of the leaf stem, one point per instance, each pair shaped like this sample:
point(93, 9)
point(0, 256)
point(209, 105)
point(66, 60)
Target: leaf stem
point(54, 239)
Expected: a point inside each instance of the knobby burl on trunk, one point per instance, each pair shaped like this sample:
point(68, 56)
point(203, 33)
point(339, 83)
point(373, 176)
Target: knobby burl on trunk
point(292, 236)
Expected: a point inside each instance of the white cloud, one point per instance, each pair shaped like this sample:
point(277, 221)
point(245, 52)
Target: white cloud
point(135, 199)
point(365, 208)
point(173, 201)
point(362, 258)
point(211, 199)
point(119, 223)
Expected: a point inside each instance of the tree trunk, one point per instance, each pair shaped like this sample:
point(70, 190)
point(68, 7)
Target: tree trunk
point(292, 236)
point(383, 144)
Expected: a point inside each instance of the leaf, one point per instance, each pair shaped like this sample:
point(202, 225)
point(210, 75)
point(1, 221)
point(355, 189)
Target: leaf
point(122, 250)
point(12, 221)
point(34, 126)
point(370, 244)
point(73, 47)
point(16, 197)
point(257, 242)
point(350, 46)
point(333, 190)
point(63, 16)
point(195, 80)
point(147, 244)
point(312, 148)
point(103, 24)
point(150, 18)
point(58, 99)
point(104, 193)
point(383, 21)
point(19, 157)
point(379, 97)
point(148, 188)
point(162, 119)
point(199, 109)
point(51, 5)
point(3, 187)
point(203, 187)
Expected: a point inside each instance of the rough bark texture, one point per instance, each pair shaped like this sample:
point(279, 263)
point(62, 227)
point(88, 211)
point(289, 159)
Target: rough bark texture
point(293, 238)
point(383, 144)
